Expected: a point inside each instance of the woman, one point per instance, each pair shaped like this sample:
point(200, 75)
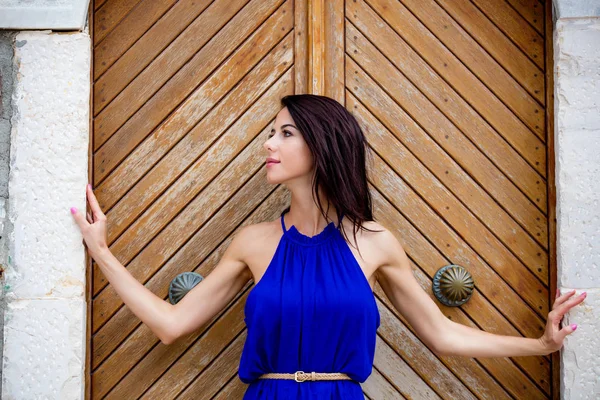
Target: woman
point(311, 316)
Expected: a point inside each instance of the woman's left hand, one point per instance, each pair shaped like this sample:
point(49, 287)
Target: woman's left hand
point(554, 336)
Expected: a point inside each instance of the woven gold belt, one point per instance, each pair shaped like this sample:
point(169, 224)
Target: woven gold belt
point(301, 376)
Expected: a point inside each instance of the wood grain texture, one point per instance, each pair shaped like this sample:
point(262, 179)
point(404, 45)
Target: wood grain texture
point(452, 97)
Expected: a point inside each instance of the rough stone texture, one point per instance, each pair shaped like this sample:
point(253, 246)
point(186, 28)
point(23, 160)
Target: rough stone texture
point(7, 77)
point(576, 8)
point(580, 368)
point(43, 14)
point(45, 349)
point(577, 122)
point(577, 146)
point(49, 160)
point(44, 322)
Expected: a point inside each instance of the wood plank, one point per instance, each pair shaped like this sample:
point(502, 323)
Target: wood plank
point(301, 46)
point(421, 359)
point(447, 71)
point(505, 52)
point(139, 338)
point(515, 27)
point(396, 370)
point(481, 240)
point(277, 58)
point(169, 78)
point(478, 310)
point(137, 41)
point(107, 17)
point(452, 69)
point(440, 235)
point(415, 146)
point(316, 40)
point(203, 115)
point(532, 11)
point(334, 50)
point(478, 60)
point(235, 389)
point(98, 4)
point(549, 26)
point(112, 334)
point(195, 172)
point(207, 384)
point(376, 387)
point(168, 240)
point(438, 133)
point(205, 349)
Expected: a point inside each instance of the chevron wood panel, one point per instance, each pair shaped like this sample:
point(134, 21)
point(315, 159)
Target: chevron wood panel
point(184, 95)
point(452, 96)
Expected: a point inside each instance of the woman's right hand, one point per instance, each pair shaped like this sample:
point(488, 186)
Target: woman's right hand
point(93, 227)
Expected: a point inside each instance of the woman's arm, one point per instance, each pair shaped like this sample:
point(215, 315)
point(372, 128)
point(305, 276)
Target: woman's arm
point(463, 340)
point(448, 337)
point(170, 322)
point(148, 307)
point(167, 321)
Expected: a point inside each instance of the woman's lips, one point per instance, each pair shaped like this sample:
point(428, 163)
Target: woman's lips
point(271, 163)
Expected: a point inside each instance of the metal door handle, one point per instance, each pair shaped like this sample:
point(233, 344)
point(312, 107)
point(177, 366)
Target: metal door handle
point(182, 284)
point(453, 285)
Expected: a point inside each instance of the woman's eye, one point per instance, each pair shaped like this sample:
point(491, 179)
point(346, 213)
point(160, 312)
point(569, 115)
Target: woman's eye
point(284, 134)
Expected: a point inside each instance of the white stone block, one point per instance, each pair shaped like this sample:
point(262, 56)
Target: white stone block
point(580, 364)
point(44, 349)
point(43, 14)
point(577, 211)
point(49, 159)
point(577, 46)
point(576, 8)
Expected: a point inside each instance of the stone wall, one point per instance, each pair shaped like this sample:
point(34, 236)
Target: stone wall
point(577, 147)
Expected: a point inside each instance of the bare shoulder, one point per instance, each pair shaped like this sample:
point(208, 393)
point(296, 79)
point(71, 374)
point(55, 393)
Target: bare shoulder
point(384, 240)
point(249, 237)
point(255, 244)
point(380, 244)
point(374, 235)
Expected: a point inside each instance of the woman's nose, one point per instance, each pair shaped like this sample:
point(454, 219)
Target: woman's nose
point(267, 146)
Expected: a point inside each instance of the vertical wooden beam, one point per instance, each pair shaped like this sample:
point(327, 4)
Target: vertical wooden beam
point(550, 182)
point(301, 49)
point(335, 39)
point(316, 44)
point(87, 393)
point(324, 46)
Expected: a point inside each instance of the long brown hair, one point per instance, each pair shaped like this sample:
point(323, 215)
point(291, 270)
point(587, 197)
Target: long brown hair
point(340, 150)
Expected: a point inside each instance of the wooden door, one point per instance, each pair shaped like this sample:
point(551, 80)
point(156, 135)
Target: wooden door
point(452, 96)
point(184, 94)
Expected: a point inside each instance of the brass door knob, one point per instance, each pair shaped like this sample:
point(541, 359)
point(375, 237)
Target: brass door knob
point(453, 285)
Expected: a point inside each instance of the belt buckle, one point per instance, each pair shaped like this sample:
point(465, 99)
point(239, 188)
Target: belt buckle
point(301, 379)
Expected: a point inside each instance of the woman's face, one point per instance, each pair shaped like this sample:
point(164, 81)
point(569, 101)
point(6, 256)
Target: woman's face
point(286, 145)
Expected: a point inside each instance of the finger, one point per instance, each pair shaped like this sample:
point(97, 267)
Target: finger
point(567, 330)
point(96, 210)
point(567, 305)
point(563, 298)
point(78, 216)
point(89, 218)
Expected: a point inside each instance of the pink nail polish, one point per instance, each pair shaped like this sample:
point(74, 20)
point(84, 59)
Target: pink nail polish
point(573, 326)
point(73, 210)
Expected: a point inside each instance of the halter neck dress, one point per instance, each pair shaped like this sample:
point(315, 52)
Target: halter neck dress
point(313, 310)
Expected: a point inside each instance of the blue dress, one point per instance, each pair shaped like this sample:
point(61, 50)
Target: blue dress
point(313, 310)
